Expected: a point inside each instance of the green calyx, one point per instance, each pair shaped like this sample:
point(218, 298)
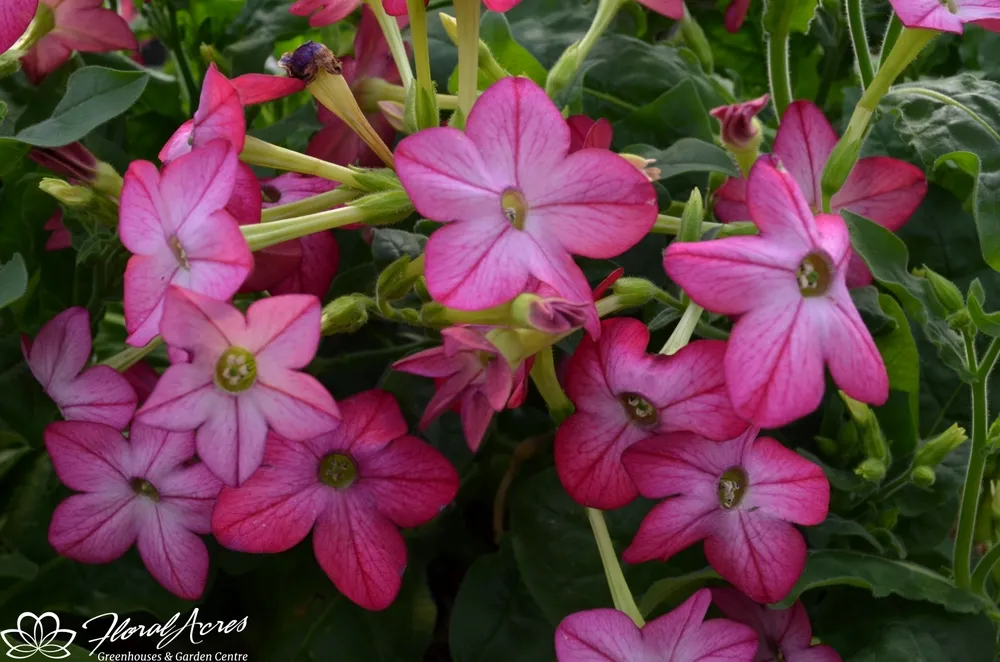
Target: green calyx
point(236, 370)
point(338, 471)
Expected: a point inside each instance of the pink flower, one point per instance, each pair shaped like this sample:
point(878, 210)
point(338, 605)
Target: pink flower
point(737, 121)
point(243, 378)
point(736, 13)
point(175, 224)
point(144, 490)
point(56, 358)
point(683, 635)
point(787, 285)
point(61, 237)
point(143, 378)
point(516, 203)
point(623, 395)
point(880, 188)
point(261, 88)
point(73, 161)
point(355, 485)
point(324, 12)
point(469, 371)
point(15, 16)
point(739, 496)
point(585, 132)
point(785, 634)
point(318, 252)
point(78, 25)
point(336, 142)
point(948, 16)
point(219, 115)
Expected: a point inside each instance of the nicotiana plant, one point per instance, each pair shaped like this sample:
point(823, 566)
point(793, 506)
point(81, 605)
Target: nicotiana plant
point(587, 331)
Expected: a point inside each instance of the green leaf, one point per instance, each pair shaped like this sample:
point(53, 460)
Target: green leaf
point(672, 590)
point(673, 115)
point(953, 124)
point(388, 245)
point(495, 619)
point(900, 415)
point(94, 95)
point(882, 577)
point(687, 155)
point(988, 323)
point(13, 280)
point(512, 56)
point(798, 14)
point(887, 257)
point(836, 527)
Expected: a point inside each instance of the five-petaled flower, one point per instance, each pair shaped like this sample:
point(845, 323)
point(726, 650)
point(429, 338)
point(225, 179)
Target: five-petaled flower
point(741, 496)
point(243, 378)
point(176, 225)
point(355, 486)
point(948, 15)
point(785, 634)
point(682, 635)
point(788, 288)
point(622, 395)
point(880, 188)
point(56, 357)
point(143, 490)
point(517, 205)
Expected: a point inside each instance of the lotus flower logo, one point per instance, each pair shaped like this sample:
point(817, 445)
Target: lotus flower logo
point(37, 634)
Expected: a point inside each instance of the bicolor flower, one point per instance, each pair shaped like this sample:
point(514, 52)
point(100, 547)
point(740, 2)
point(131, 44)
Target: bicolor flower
point(785, 634)
point(15, 17)
point(623, 395)
point(585, 132)
point(318, 252)
point(176, 225)
point(336, 141)
point(740, 496)
point(516, 204)
point(147, 490)
point(244, 378)
point(219, 115)
point(882, 189)
point(682, 635)
point(57, 357)
point(787, 285)
point(77, 25)
point(740, 126)
point(469, 371)
point(948, 16)
point(353, 488)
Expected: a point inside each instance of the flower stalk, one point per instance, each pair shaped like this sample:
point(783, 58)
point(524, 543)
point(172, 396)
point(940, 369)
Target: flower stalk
point(129, 356)
point(421, 49)
point(374, 90)
point(892, 32)
point(394, 38)
point(258, 152)
point(310, 205)
point(488, 64)
point(777, 65)
point(620, 593)
point(564, 71)
point(543, 374)
point(856, 25)
point(262, 235)
point(467, 15)
point(684, 329)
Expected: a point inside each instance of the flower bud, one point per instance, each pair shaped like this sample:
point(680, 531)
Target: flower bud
point(548, 315)
point(643, 165)
point(993, 434)
point(827, 446)
point(395, 280)
point(871, 469)
point(741, 130)
point(859, 411)
point(73, 161)
point(634, 291)
point(345, 314)
point(933, 451)
point(383, 208)
point(945, 291)
point(69, 195)
point(393, 112)
point(694, 211)
point(923, 476)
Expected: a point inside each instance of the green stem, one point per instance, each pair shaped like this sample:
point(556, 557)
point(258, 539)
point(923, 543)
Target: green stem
point(892, 32)
point(989, 360)
point(129, 356)
point(421, 50)
point(984, 568)
point(620, 593)
point(263, 235)
point(393, 37)
point(467, 15)
point(182, 62)
point(374, 90)
point(856, 24)
point(310, 205)
point(564, 70)
point(671, 225)
point(543, 373)
point(974, 474)
point(684, 329)
point(258, 152)
point(777, 67)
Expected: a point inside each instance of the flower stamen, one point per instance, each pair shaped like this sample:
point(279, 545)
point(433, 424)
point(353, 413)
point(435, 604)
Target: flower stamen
point(236, 370)
point(814, 275)
point(732, 487)
point(639, 410)
point(179, 252)
point(338, 471)
point(515, 207)
point(144, 488)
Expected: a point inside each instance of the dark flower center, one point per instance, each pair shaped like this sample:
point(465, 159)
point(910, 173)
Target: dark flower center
point(178, 250)
point(338, 471)
point(515, 207)
point(732, 487)
point(144, 488)
point(270, 194)
point(815, 275)
point(639, 410)
point(236, 370)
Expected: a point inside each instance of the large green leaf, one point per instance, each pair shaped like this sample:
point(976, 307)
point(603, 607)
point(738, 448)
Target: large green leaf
point(676, 113)
point(13, 280)
point(94, 95)
point(512, 56)
point(954, 124)
point(882, 577)
point(798, 14)
point(687, 155)
point(900, 415)
point(988, 323)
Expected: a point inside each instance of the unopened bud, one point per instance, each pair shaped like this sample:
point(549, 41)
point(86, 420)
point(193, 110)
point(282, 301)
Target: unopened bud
point(993, 435)
point(643, 165)
point(395, 280)
point(871, 469)
point(377, 180)
point(933, 451)
point(945, 291)
point(548, 315)
point(634, 291)
point(741, 130)
point(384, 208)
point(827, 445)
point(66, 193)
point(393, 111)
point(345, 314)
point(923, 476)
point(694, 211)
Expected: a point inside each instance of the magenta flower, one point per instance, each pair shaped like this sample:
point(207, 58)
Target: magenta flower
point(469, 371)
point(176, 225)
point(739, 496)
point(261, 88)
point(882, 189)
point(737, 121)
point(795, 313)
point(143, 377)
point(219, 115)
point(78, 25)
point(585, 132)
point(623, 395)
point(73, 161)
point(336, 142)
point(56, 358)
point(61, 237)
point(324, 12)
point(785, 634)
point(243, 378)
point(144, 490)
point(355, 486)
point(950, 16)
point(736, 13)
point(516, 203)
point(15, 17)
point(683, 635)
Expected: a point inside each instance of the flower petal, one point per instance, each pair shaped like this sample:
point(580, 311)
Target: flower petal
point(182, 400)
point(176, 558)
point(785, 485)
point(779, 208)
point(61, 348)
point(144, 223)
point(283, 331)
point(804, 142)
point(883, 190)
point(147, 278)
point(14, 19)
point(432, 362)
point(220, 113)
point(91, 29)
point(294, 404)
point(598, 635)
point(720, 640)
point(671, 526)
point(476, 414)
point(320, 258)
point(199, 183)
point(95, 528)
point(681, 463)
point(731, 201)
point(761, 557)
point(191, 492)
point(88, 457)
point(231, 441)
point(157, 452)
point(855, 362)
point(200, 324)
point(670, 8)
point(588, 450)
point(261, 88)
point(100, 394)
point(927, 14)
